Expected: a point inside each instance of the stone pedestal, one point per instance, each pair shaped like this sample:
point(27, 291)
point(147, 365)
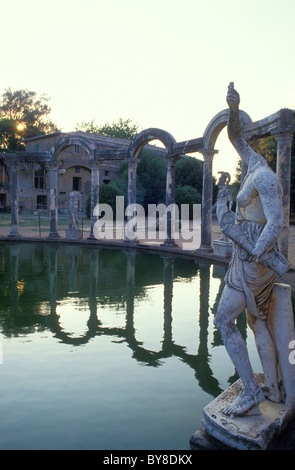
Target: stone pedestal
point(74, 234)
point(222, 248)
point(243, 433)
point(257, 431)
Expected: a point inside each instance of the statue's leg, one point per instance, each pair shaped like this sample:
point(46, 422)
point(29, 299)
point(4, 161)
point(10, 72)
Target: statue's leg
point(231, 304)
point(76, 224)
point(268, 357)
point(219, 215)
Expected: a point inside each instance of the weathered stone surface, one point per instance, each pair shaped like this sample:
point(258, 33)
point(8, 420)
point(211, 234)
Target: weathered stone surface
point(253, 432)
point(73, 234)
point(224, 200)
point(281, 325)
point(222, 248)
point(249, 280)
point(201, 440)
point(258, 431)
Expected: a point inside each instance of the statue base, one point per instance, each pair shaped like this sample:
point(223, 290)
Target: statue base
point(257, 431)
point(222, 248)
point(74, 234)
point(247, 432)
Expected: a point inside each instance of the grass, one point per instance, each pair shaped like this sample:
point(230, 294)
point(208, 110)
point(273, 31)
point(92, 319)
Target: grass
point(38, 225)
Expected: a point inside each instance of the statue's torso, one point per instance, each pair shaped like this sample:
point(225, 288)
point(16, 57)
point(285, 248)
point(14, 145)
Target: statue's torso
point(249, 202)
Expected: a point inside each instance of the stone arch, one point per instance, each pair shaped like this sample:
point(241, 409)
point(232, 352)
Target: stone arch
point(216, 125)
point(210, 136)
point(83, 165)
point(64, 142)
point(134, 149)
point(146, 136)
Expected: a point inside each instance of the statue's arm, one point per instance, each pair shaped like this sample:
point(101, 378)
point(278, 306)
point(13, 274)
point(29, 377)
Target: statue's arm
point(212, 208)
point(234, 128)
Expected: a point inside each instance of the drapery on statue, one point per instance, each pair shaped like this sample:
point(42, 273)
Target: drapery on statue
point(224, 199)
point(249, 282)
point(74, 201)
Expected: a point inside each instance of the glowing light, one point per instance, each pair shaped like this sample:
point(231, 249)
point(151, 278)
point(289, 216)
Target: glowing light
point(20, 127)
point(20, 285)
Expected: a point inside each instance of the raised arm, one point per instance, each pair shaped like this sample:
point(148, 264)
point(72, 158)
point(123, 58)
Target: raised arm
point(234, 128)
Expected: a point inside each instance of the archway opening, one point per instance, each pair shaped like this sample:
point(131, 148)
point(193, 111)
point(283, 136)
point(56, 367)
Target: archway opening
point(74, 178)
point(151, 174)
point(227, 158)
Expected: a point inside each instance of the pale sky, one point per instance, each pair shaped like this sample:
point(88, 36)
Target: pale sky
point(160, 63)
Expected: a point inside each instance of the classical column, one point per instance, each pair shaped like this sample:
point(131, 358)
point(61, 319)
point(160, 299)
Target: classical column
point(206, 223)
point(170, 201)
point(14, 180)
point(94, 196)
point(132, 166)
point(284, 143)
point(53, 192)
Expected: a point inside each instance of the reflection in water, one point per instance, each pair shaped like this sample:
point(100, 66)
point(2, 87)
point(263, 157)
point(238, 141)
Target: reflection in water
point(96, 340)
point(40, 280)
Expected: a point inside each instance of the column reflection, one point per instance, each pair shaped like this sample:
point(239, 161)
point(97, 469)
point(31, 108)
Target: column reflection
point(100, 279)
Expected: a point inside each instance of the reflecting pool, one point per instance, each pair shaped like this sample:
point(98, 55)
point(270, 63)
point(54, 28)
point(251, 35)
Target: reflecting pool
point(107, 348)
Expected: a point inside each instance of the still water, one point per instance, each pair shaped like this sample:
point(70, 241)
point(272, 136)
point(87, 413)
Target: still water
point(108, 349)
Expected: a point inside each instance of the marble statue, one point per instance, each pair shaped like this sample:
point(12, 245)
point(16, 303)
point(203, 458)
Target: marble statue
point(74, 202)
point(249, 281)
point(224, 199)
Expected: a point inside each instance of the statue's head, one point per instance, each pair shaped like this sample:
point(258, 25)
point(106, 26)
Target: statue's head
point(224, 179)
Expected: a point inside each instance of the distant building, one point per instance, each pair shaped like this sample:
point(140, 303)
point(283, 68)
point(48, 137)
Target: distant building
point(74, 168)
point(74, 171)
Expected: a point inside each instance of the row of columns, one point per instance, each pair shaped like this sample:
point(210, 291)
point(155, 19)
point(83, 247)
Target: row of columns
point(284, 142)
point(53, 194)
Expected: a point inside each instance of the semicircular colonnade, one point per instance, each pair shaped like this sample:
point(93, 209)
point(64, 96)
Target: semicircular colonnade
point(279, 124)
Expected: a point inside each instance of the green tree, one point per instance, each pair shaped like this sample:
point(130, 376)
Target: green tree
point(123, 129)
point(10, 137)
point(107, 195)
point(267, 147)
point(187, 195)
point(189, 172)
point(189, 182)
point(23, 114)
point(151, 178)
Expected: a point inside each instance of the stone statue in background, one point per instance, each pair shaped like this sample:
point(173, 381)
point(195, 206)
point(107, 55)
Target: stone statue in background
point(224, 199)
point(249, 282)
point(74, 204)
